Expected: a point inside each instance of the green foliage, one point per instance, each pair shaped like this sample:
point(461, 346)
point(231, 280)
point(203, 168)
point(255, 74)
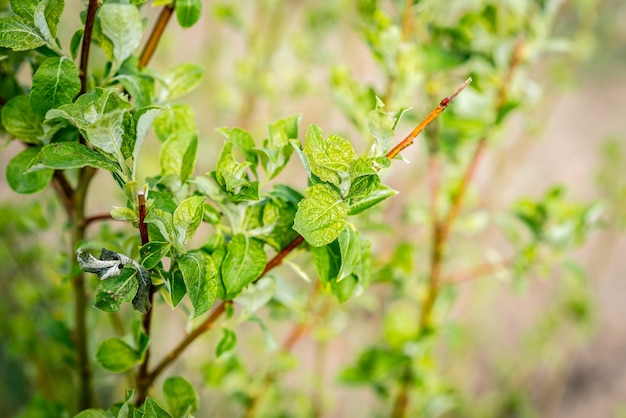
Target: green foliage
point(217, 237)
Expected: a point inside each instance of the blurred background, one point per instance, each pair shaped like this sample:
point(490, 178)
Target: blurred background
point(542, 339)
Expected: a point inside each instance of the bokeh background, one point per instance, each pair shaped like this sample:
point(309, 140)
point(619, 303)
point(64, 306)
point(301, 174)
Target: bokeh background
point(505, 348)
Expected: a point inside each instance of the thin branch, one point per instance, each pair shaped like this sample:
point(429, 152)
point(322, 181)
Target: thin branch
point(64, 191)
point(410, 138)
point(155, 36)
point(143, 376)
point(84, 54)
point(476, 272)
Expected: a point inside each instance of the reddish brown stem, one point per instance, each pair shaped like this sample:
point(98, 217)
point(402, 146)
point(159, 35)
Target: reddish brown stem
point(155, 36)
point(476, 272)
point(84, 53)
point(143, 376)
point(410, 138)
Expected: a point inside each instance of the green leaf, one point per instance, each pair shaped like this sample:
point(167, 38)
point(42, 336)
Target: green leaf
point(199, 273)
point(116, 355)
point(162, 220)
point(181, 79)
point(242, 140)
point(243, 263)
point(19, 35)
point(359, 204)
point(382, 125)
point(364, 179)
point(116, 290)
point(20, 180)
point(276, 149)
point(327, 260)
point(177, 118)
point(140, 87)
point(321, 215)
point(188, 12)
point(76, 43)
point(152, 253)
point(178, 155)
point(67, 155)
point(99, 115)
point(226, 344)
point(122, 25)
point(187, 217)
point(344, 289)
point(151, 409)
point(46, 18)
point(350, 247)
point(176, 287)
point(55, 83)
point(25, 8)
point(20, 121)
point(123, 214)
point(181, 397)
point(329, 158)
point(143, 119)
point(232, 176)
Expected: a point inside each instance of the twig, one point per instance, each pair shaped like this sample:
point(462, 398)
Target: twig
point(143, 376)
point(476, 272)
point(84, 54)
point(155, 36)
point(97, 218)
point(217, 311)
point(410, 138)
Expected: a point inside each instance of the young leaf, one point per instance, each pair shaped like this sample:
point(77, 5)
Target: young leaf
point(116, 290)
point(93, 413)
point(327, 260)
point(181, 397)
point(187, 217)
point(121, 24)
point(382, 126)
point(243, 263)
point(162, 221)
point(276, 149)
point(178, 155)
point(115, 355)
point(359, 204)
point(176, 118)
point(181, 79)
point(344, 289)
point(67, 155)
point(55, 83)
point(188, 12)
point(364, 179)
point(143, 119)
point(20, 180)
point(176, 287)
point(350, 247)
point(199, 274)
point(152, 253)
point(151, 409)
point(242, 140)
point(20, 121)
point(321, 215)
point(46, 18)
point(226, 344)
point(329, 158)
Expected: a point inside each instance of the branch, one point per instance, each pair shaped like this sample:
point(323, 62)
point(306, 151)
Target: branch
point(410, 138)
point(217, 312)
point(477, 272)
point(155, 36)
point(143, 376)
point(84, 53)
